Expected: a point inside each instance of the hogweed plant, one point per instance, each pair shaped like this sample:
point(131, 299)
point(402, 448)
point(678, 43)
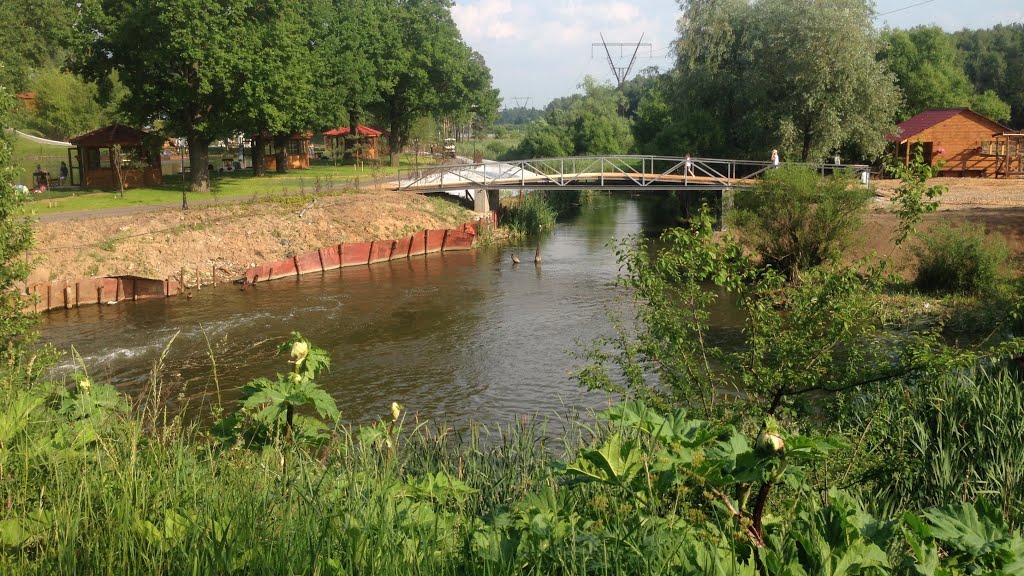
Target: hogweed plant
point(270, 408)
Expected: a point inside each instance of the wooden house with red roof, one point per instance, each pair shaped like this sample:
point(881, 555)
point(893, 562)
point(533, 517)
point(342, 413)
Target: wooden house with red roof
point(366, 142)
point(959, 138)
point(139, 161)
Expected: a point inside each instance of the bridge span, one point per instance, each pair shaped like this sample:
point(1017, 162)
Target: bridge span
point(619, 172)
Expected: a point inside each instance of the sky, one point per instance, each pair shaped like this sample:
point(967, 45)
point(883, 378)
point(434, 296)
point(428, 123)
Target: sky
point(542, 49)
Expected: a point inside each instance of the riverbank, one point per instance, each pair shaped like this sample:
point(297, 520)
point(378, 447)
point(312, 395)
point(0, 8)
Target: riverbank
point(998, 205)
point(231, 236)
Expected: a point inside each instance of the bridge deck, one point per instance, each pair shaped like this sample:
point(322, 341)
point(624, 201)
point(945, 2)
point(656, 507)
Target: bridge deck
point(595, 172)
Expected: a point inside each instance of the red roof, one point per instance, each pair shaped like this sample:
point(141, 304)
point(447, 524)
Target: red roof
point(110, 135)
point(925, 120)
point(361, 130)
point(26, 95)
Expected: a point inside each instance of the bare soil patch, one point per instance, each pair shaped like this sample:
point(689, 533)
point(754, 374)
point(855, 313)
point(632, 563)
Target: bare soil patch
point(231, 236)
point(998, 205)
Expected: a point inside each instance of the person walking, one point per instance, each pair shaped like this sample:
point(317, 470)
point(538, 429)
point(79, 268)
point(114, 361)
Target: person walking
point(775, 159)
point(63, 172)
point(688, 166)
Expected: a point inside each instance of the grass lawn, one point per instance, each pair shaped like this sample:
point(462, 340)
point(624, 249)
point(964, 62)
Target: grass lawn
point(223, 186)
point(27, 154)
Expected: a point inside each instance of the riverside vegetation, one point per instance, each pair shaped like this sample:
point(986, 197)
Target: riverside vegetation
point(843, 436)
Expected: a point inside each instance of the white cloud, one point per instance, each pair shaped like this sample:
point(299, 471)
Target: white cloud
point(486, 20)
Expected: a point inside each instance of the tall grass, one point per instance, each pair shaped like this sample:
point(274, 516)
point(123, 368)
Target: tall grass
point(531, 215)
point(956, 437)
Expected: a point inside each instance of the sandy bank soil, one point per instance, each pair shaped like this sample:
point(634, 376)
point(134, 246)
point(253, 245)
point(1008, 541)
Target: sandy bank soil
point(998, 205)
point(231, 236)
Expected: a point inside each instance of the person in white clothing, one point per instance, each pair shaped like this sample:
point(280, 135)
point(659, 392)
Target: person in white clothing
point(775, 158)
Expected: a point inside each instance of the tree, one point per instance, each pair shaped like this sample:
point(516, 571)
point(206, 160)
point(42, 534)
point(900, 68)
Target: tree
point(26, 45)
point(66, 104)
point(179, 61)
point(796, 75)
point(430, 70)
point(15, 239)
point(994, 60)
point(275, 83)
point(926, 64)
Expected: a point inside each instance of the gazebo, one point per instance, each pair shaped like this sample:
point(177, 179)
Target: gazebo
point(96, 153)
point(297, 150)
point(366, 140)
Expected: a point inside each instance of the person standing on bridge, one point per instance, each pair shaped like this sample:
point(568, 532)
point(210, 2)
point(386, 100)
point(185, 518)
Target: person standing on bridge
point(775, 158)
point(688, 166)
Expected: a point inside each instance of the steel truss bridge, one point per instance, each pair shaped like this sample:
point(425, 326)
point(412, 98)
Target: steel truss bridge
point(622, 172)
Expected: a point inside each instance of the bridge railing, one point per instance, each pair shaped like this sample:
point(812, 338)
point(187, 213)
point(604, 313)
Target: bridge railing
point(639, 170)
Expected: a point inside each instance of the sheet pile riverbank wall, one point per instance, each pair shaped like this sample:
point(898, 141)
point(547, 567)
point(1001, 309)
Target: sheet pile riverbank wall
point(68, 294)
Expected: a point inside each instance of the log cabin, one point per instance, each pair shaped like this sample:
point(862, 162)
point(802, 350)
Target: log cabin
point(964, 142)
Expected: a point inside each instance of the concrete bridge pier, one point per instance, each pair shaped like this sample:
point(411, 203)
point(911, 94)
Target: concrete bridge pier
point(486, 200)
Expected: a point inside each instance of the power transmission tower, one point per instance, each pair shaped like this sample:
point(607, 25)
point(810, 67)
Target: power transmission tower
point(521, 101)
point(621, 74)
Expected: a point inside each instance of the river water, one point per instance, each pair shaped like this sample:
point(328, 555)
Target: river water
point(453, 337)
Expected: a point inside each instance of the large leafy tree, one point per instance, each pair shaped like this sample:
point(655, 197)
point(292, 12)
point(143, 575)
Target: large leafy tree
point(274, 88)
point(994, 61)
point(66, 104)
point(927, 68)
point(798, 75)
point(26, 44)
point(432, 71)
point(179, 61)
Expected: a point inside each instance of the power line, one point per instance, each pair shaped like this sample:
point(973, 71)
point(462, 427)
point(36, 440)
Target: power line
point(904, 8)
point(621, 74)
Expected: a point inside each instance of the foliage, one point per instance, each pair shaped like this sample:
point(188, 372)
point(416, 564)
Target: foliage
point(66, 105)
point(268, 408)
point(37, 38)
point(925, 62)
point(430, 70)
point(533, 215)
point(578, 125)
point(794, 75)
point(951, 438)
point(994, 61)
point(960, 260)
point(15, 239)
point(913, 198)
point(795, 219)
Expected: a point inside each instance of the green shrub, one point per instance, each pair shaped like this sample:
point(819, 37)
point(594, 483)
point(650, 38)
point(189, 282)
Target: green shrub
point(796, 219)
point(959, 260)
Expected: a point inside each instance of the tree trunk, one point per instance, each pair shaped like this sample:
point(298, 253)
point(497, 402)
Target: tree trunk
point(199, 160)
point(352, 138)
point(281, 152)
point(805, 153)
point(259, 144)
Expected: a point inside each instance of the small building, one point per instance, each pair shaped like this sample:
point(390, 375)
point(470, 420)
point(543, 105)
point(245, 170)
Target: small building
point(297, 149)
point(139, 160)
point(365, 144)
point(959, 138)
point(28, 101)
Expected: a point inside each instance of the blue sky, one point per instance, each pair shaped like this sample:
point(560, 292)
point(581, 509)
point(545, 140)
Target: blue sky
point(541, 49)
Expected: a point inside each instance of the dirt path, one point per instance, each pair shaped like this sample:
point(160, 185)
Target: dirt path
point(161, 241)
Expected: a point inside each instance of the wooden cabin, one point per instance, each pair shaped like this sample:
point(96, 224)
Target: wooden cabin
point(139, 162)
point(366, 142)
point(297, 150)
point(957, 137)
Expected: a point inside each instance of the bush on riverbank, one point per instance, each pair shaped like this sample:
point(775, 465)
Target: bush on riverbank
point(531, 215)
point(960, 260)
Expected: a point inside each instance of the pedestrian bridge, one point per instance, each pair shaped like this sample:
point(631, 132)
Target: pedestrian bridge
point(624, 172)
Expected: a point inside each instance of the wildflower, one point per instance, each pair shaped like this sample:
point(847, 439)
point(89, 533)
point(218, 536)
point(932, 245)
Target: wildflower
point(299, 351)
point(84, 384)
point(769, 440)
point(396, 411)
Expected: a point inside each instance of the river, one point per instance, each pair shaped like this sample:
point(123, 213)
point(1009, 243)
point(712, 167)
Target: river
point(453, 337)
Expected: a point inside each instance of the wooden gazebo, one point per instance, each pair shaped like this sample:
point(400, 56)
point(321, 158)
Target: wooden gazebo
point(297, 150)
point(953, 136)
point(96, 154)
point(365, 143)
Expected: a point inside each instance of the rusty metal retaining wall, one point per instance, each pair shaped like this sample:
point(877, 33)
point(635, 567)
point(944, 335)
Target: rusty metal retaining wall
point(69, 294)
point(364, 253)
